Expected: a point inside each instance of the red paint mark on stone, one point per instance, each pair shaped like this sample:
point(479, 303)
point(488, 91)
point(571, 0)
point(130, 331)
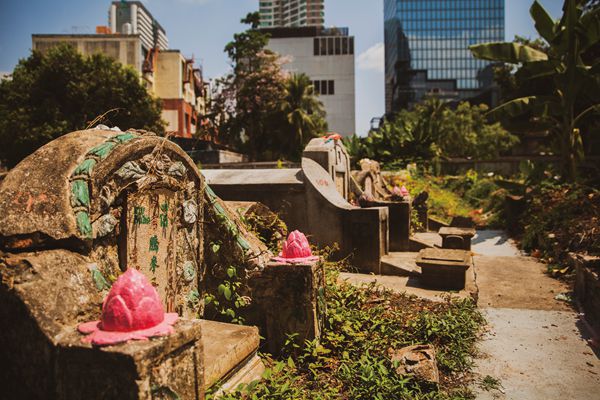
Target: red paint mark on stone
point(29, 200)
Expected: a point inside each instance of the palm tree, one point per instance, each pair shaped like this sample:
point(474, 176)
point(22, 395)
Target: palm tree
point(303, 113)
point(574, 93)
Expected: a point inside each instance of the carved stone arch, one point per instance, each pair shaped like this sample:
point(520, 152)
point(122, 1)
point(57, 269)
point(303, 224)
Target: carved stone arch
point(144, 211)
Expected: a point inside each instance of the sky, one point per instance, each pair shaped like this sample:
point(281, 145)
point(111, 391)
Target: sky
point(202, 28)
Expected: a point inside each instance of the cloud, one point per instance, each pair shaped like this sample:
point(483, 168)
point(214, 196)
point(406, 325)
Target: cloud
point(372, 58)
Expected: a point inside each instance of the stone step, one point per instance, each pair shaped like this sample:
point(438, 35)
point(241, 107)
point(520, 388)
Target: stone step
point(400, 264)
point(230, 355)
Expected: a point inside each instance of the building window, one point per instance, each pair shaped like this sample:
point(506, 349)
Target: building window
point(330, 46)
point(316, 50)
point(324, 87)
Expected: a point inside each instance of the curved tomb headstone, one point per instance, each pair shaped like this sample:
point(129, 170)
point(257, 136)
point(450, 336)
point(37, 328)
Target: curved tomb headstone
point(127, 199)
point(76, 214)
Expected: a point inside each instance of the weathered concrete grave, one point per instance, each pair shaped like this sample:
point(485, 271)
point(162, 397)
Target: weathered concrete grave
point(456, 238)
point(443, 268)
point(89, 205)
point(309, 199)
point(77, 213)
point(369, 181)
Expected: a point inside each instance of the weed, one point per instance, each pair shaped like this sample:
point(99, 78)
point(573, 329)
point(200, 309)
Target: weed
point(489, 383)
point(351, 360)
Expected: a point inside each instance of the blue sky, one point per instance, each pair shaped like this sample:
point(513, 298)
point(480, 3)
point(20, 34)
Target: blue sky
point(201, 28)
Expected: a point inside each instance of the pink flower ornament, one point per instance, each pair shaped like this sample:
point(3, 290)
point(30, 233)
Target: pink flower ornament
point(131, 311)
point(296, 250)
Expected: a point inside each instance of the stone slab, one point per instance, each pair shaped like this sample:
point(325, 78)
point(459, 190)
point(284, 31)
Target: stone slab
point(450, 257)
point(400, 264)
point(226, 348)
point(284, 176)
point(412, 286)
point(451, 230)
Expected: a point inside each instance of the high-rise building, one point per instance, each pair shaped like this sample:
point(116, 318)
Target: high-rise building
point(135, 38)
point(291, 13)
point(426, 49)
point(326, 56)
point(131, 17)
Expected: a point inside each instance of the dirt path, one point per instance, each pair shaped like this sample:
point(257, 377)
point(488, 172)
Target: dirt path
point(535, 345)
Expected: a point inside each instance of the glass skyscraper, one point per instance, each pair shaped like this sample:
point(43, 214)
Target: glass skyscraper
point(426, 49)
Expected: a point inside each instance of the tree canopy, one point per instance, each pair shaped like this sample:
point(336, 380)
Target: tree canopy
point(259, 108)
point(556, 86)
point(61, 91)
point(434, 130)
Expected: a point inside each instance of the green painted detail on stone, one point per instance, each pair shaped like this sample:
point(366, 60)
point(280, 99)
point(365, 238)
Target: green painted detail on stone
point(83, 224)
point(153, 243)
point(243, 243)
point(153, 264)
point(99, 279)
point(124, 137)
point(219, 209)
point(102, 150)
point(210, 192)
point(139, 218)
point(85, 168)
point(80, 195)
point(164, 216)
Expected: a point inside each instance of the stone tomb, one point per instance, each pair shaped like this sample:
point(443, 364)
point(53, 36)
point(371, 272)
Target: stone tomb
point(77, 213)
point(370, 182)
point(81, 210)
point(443, 268)
point(311, 199)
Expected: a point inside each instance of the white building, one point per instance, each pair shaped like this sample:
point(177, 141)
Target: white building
point(327, 57)
point(131, 17)
point(291, 13)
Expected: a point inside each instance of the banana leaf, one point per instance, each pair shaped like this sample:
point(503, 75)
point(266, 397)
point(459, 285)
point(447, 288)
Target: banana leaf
point(544, 23)
point(512, 53)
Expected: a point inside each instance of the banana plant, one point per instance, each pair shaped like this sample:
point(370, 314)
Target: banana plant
point(575, 77)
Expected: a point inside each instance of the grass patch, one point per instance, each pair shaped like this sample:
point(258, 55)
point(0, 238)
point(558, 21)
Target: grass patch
point(443, 203)
point(351, 360)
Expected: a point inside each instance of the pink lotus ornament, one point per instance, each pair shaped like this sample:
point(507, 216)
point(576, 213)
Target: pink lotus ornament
point(296, 250)
point(131, 311)
point(404, 191)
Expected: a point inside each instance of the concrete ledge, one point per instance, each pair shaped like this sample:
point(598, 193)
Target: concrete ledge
point(227, 347)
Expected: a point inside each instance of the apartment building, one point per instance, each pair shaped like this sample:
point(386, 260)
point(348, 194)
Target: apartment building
point(326, 55)
point(291, 13)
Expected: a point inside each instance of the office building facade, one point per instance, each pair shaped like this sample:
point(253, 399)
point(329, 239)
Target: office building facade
point(426, 50)
point(291, 13)
point(132, 17)
point(326, 56)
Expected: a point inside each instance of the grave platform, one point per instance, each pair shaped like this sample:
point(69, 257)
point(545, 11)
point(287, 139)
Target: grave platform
point(444, 268)
point(230, 355)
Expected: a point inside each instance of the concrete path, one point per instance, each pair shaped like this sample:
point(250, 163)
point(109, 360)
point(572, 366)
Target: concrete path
point(535, 345)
